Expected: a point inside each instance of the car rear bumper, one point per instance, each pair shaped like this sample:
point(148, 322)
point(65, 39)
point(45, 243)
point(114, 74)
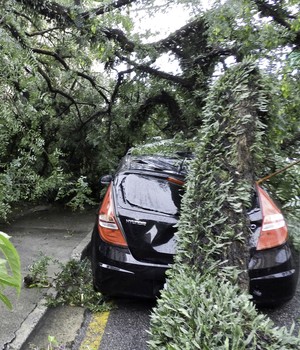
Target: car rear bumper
point(117, 273)
point(273, 275)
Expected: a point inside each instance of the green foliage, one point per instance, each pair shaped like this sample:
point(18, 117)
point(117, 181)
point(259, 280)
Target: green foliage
point(74, 286)
point(206, 311)
point(52, 345)
point(38, 273)
point(241, 24)
point(49, 110)
point(70, 110)
point(221, 177)
point(79, 192)
point(165, 147)
point(205, 302)
point(10, 270)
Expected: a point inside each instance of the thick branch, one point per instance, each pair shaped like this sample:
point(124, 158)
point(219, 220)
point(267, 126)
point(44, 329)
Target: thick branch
point(49, 9)
point(279, 15)
point(106, 8)
point(117, 35)
point(117, 86)
point(53, 54)
point(196, 27)
point(14, 32)
point(65, 15)
point(187, 83)
point(57, 91)
point(164, 99)
point(42, 32)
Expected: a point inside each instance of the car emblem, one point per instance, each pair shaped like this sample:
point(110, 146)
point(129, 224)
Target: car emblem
point(136, 222)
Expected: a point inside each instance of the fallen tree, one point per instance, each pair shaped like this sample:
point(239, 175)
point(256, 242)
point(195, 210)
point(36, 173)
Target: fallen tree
point(205, 304)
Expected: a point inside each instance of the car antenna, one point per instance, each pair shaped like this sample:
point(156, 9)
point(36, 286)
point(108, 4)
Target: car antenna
point(277, 172)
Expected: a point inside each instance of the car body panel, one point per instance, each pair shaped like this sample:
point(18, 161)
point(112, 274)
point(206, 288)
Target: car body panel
point(150, 239)
point(273, 275)
point(117, 273)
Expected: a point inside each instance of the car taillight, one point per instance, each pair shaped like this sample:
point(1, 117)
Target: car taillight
point(107, 226)
point(274, 230)
point(175, 181)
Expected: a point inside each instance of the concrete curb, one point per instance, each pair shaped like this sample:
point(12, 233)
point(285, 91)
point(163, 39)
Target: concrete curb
point(29, 324)
point(76, 254)
point(33, 319)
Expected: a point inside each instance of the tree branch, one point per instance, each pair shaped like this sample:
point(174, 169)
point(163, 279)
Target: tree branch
point(50, 9)
point(53, 54)
point(14, 32)
point(165, 99)
point(187, 83)
point(117, 86)
point(64, 64)
point(106, 8)
point(196, 27)
point(42, 32)
point(279, 15)
point(65, 15)
point(57, 91)
point(93, 83)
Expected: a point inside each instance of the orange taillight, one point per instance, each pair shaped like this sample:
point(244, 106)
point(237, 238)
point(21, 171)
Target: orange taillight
point(274, 230)
point(107, 225)
point(175, 181)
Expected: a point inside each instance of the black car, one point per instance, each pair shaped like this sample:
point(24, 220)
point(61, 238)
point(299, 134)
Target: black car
point(133, 240)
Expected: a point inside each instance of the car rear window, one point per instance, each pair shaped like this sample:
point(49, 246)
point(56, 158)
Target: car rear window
point(151, 193)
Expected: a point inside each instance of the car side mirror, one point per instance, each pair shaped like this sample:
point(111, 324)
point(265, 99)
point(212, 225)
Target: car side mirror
point(106, 179)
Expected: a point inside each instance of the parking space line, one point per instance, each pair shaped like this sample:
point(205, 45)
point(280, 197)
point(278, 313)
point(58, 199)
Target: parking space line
point(95, 331)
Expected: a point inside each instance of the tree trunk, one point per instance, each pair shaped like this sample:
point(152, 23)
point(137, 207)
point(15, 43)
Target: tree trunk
point(214, 224)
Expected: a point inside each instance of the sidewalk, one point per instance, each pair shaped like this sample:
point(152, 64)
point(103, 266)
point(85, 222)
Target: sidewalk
point(54, 232)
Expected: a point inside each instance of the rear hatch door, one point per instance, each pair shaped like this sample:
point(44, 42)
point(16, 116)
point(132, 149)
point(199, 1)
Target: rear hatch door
point(147, 207)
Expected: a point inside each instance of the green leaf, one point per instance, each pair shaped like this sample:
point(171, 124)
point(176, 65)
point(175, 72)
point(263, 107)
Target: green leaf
point(10, 267)
point(6, 301)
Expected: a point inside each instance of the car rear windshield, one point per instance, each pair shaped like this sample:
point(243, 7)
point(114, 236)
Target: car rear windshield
point(151, 193)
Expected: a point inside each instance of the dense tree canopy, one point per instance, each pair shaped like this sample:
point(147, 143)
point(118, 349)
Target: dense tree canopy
point(79, 82)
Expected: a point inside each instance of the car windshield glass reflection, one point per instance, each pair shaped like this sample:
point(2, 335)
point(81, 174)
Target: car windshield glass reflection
point(152, 194)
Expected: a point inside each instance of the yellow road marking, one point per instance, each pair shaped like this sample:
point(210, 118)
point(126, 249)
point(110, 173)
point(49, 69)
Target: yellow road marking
point(95, 331)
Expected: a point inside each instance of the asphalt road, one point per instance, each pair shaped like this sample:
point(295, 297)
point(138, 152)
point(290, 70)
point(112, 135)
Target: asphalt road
point(127, 326)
